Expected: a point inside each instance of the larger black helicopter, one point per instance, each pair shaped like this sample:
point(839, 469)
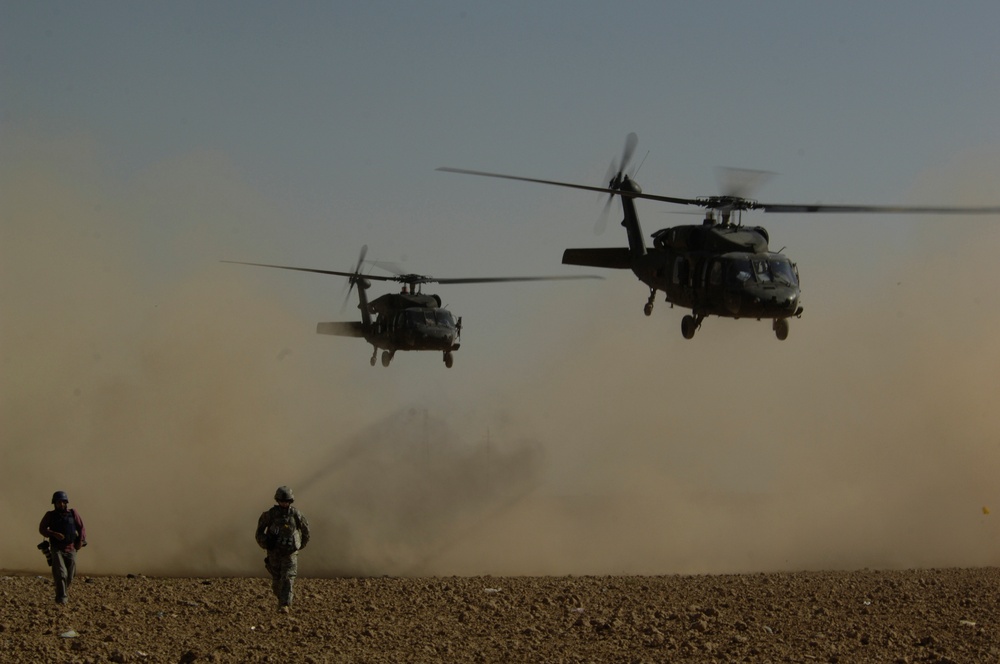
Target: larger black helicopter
point(408, 320)
point(717, 268)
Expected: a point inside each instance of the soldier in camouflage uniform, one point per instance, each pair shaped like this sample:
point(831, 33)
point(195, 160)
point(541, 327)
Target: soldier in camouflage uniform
point(283, 531)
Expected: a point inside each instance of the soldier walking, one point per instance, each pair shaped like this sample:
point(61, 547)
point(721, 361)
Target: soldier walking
point(66, 535)
point(282, 531)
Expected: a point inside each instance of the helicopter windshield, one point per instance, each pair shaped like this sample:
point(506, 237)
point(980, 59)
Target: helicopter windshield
point(782, 271)
point(429, 317)
point(762, 270)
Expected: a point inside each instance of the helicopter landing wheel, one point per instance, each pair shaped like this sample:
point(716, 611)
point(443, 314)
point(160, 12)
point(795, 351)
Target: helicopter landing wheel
point(386, 358)
point(374, 355)
point(689, 325)
point(449, 360)
point(648, 309)
point(780, 327)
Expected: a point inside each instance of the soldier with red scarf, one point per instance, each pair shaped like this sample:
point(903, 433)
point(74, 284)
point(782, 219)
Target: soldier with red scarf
point(64, 529)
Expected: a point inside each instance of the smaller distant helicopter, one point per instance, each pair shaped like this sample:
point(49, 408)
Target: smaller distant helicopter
point(408, 320)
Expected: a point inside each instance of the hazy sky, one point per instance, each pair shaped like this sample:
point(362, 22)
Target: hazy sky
point(140, 143)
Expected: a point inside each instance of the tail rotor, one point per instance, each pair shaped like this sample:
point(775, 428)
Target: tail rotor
point(356, 277)
point(614, 177)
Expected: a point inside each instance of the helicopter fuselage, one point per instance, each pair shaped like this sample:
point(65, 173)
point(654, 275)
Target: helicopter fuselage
point(734, 284)
point(401, 321)
point(712, 268)
point(415, 328)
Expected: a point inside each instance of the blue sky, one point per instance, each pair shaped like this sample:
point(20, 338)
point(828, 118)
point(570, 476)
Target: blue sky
point(143, 142)
point(340, 113)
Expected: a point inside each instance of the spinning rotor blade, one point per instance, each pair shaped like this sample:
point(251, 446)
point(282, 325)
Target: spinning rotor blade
point(602, 221)
point(419, 278)
point(614, 173)
point(373, 277)
point(736, 185)
point(740, 182)
point(492, 280)
point(631, 141)
point(361, 258)
point(603, 190)
point(883, 209)
point(357, 273)
point(718, 202)
point(388, 266)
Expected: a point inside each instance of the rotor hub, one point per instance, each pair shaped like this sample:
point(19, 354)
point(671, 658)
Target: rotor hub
point(726, 203)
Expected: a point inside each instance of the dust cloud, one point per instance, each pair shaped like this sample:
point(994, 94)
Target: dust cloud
point(170, 408)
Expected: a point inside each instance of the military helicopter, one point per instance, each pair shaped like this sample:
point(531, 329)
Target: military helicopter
point(408, 320)
point(717, 268)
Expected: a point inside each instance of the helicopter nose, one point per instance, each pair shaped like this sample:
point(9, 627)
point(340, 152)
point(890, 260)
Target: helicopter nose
point(439, 335)
point(789, 302)
point(778, 302)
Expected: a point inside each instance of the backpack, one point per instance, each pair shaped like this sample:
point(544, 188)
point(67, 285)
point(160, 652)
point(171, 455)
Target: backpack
point(283, 534)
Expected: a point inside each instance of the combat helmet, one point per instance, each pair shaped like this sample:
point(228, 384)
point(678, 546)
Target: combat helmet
point(59, 495)
point(284, 494)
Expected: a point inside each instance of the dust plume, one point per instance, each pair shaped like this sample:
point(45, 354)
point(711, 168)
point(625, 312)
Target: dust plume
point(169, 398)
point(161, 399)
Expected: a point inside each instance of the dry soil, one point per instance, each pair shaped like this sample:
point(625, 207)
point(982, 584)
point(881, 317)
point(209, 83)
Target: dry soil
point(932, 615)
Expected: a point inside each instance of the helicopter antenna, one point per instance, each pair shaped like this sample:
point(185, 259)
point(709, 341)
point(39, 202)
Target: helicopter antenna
point(636, 171)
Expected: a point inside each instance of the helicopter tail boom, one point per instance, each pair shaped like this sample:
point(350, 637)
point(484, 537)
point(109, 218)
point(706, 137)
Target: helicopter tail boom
point(616, 258)
point(348, 329)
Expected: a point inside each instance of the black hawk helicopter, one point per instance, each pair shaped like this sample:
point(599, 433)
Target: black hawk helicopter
point(717, 268)
point(408, 320)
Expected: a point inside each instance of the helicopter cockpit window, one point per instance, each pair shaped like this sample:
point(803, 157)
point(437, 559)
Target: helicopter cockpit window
point(715, 274)
point(762, 270)
point(444, 317)
point(416, 317)
point(681, 272)
point(783, 272)
point(740, 271)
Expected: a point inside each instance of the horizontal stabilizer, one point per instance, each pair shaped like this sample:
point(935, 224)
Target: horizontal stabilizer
point(617, 258)
point(352, 329)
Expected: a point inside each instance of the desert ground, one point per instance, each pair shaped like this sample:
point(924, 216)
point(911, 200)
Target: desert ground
point(927, 615)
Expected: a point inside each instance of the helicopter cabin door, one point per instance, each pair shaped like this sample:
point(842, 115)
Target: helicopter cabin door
point(681, 281)
point(714, 281)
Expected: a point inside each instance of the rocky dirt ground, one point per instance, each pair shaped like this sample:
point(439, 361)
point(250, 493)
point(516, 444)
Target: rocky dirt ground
point(937, 615)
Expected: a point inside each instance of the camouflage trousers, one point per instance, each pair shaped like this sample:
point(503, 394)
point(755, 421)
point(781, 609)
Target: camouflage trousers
point(63, 571)
point(283, 570)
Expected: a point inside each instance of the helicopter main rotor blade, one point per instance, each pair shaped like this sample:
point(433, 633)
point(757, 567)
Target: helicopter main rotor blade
point(373, 277)
point(740, 182)
point(885, 209)
point(556, 183)
point(418, 278)
point(492, 280)
point(739, 203)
